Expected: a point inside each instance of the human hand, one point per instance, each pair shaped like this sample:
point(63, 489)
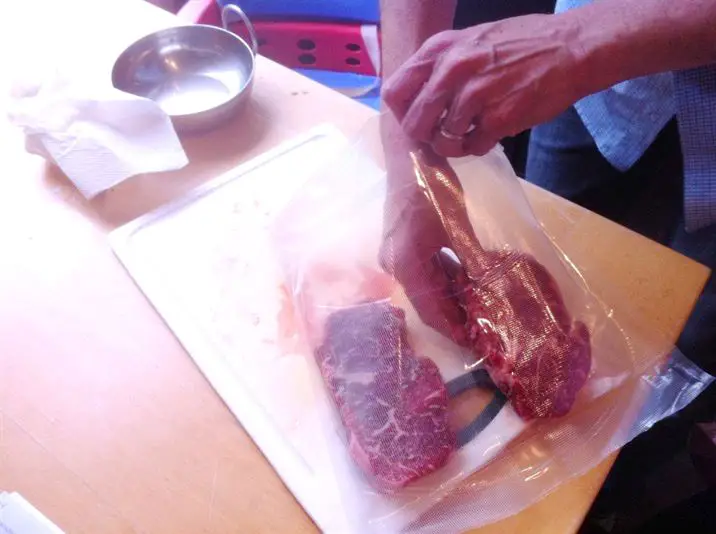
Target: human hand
point(491, 81)
point(413, 235)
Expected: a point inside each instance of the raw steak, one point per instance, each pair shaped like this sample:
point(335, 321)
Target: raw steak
point(392, 403)
point(516, 319)
point(518, 324)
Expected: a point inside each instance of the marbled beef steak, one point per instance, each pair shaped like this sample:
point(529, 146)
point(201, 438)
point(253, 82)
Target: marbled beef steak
point(392, 402)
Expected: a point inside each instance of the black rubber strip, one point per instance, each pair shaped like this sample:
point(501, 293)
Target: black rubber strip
point(474, 379)
point(468, 433)
point(479, 378)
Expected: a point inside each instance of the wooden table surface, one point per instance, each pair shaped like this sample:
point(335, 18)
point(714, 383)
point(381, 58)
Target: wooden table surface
point(106, 425)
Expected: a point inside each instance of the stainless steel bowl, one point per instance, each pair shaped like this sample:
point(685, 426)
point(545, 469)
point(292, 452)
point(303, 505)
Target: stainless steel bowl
point(199, 75)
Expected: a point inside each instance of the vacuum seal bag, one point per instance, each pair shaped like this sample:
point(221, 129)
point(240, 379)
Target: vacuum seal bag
point(466, 367)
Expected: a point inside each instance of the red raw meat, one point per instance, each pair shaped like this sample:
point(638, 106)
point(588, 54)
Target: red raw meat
point(393, 403)
point(516, 320)
point(518, 324)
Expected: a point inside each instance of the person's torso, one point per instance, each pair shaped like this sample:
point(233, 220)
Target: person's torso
point(626, 118)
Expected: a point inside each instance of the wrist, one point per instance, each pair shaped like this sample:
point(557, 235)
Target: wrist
point(610, 46)
point(594, 52)
point(407, 24)
point(627, 39)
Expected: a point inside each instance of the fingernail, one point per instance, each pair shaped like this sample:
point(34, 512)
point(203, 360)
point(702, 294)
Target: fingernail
point(450, 263)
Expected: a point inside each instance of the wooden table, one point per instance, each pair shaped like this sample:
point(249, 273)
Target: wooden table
point(106, 425)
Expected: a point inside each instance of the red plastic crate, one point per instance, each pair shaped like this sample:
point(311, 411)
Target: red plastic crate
point(299, 44)
point(335, 47)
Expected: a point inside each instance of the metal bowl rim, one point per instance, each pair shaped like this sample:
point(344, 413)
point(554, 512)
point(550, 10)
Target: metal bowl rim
point(237, 94)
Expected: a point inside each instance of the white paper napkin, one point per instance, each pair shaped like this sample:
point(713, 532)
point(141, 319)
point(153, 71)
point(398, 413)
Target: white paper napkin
point(98, 135)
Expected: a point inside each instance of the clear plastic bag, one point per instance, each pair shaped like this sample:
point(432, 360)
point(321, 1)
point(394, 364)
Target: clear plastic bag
point(425, 418)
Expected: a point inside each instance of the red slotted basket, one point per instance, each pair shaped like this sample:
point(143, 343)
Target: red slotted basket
point(300, 44)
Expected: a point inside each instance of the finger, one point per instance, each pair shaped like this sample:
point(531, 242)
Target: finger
point(400, 89)
point(450, 264)
point(428, 109)
point(507, 118)
point(448, 147)
point(464, 108)
point(459, 120)
point(478, 143)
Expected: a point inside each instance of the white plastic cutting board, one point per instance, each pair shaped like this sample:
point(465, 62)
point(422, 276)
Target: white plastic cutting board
point(205, 262)
point(208, 265)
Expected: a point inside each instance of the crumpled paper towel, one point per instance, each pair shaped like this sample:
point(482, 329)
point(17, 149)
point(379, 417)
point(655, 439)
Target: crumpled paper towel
point(98, 135)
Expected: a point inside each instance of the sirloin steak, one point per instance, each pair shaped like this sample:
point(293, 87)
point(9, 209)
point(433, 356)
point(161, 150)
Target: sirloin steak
point(392, 403)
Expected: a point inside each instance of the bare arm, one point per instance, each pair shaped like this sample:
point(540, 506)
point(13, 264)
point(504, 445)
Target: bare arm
point(625, 39)
point(407, 24)
point(412, 231)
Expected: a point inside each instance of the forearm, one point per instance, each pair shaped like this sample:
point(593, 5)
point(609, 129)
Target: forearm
point(407, 24)
point(625, 39)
